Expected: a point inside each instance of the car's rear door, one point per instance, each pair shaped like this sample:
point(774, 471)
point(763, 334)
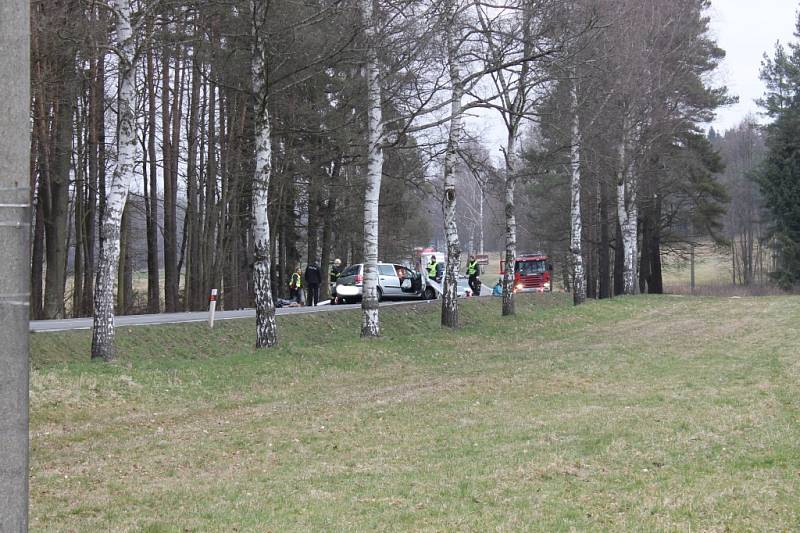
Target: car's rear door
point(387, 279)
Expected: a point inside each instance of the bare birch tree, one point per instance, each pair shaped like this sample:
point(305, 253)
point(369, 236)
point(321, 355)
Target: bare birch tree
point(627, 209)
point(370, 323)
point(266, 326)
point(453, 41)
point(103, 329)
point(576, 223)
point(516, 72)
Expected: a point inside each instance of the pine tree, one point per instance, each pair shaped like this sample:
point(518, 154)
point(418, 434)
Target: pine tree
point(780, 184)
point(779, 177)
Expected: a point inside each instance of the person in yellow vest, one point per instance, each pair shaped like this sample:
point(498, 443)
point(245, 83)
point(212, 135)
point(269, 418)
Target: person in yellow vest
point(333, 276)
point(473, 273)
point(432, 268)
point(296, 286)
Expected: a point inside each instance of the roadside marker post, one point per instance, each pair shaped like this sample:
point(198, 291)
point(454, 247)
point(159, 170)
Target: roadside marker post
point(212, 307)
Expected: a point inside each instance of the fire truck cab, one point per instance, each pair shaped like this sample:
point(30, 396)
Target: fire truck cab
point(532, 273)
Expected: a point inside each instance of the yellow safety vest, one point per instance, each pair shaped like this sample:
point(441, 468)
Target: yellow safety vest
point(472, 268)
point(431, 270)
point(296, 281)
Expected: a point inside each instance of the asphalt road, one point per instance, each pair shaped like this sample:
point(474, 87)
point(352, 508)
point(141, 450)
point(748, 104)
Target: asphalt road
point(202, 316)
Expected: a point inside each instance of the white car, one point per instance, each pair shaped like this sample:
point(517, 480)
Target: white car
point(394, 282)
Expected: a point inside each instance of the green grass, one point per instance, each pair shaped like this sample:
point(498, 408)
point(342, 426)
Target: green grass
point(712, 268)
point(646, 413)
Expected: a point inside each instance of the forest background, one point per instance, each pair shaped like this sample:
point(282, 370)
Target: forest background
point(617, 95)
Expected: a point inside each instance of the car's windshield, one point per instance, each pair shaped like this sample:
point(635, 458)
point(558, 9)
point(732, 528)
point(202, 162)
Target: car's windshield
point(526, 268)
point(352, 270)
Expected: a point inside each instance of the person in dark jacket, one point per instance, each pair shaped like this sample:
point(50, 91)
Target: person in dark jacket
point(313, 278)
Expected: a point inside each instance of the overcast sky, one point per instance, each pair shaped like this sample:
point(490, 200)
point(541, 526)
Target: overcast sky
point(746, 29)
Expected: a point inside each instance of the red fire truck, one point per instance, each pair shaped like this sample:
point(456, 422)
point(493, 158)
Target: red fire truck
point(532, 273)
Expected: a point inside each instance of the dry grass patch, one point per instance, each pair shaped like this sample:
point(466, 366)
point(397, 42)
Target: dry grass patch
point(638, 413)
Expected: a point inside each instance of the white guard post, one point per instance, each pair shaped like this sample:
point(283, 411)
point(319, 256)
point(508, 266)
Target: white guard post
point(212, 307)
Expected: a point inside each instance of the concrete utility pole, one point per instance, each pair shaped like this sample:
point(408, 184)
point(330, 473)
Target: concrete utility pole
point(15, 146)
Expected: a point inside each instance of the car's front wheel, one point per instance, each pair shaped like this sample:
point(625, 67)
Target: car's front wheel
point(429, 294)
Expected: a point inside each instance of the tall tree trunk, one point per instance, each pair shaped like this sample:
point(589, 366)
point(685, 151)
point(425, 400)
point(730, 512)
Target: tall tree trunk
point(102, 197)
point(370, 324)
point(450, 294)
point(211, 228)
point(589, 241)
point(175, 152)
point(619, 261)
point(511, 229)
point(168, 252)
point(125, 270)
point(195, 268)
point(656, 282)
point(190, 221)
point(644, 261)
point(512, 111)
point(627, 214)
point(103, 330)
point(96, 173)
point(153, 288)
point(170, 134)
point(78, 203)
point(266, 327)
point(604, 259)
point(314, 217)
point(576, 224)
point(37, 260)
point(57, 194)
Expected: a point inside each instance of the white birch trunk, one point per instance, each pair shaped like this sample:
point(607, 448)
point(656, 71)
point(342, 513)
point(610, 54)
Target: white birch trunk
point(480, 216)
point(370, 324)
point(266, 326)
point(576, 227)
point(103, 330)
point(630, 236)
point(511, 229)
point(450, 294)
point(627, 215)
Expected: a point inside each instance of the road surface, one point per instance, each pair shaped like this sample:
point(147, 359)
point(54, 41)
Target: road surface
point(201, 316)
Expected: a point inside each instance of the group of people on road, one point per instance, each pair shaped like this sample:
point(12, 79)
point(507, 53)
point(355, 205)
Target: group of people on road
point(304, 286)
point(435, 270)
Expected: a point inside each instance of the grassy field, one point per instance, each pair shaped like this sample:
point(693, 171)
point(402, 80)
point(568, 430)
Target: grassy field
point(712, 267)
point(645, 413)
point(713, 275)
